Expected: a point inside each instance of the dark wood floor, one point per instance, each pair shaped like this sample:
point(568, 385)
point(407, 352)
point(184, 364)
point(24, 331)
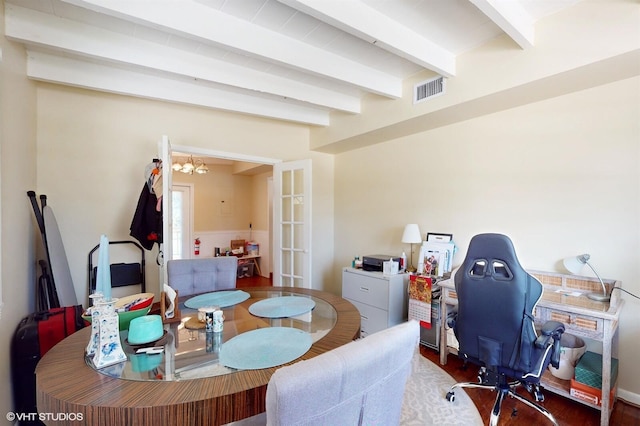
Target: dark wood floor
point(566, 411)
point(254, 281)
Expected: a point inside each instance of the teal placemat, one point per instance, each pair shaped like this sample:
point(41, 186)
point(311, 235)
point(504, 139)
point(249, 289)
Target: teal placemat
point(264, 348)
point(282, 307)
point(217, 298)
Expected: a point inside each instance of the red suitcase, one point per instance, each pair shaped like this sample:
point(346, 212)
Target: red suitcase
point(34, 336)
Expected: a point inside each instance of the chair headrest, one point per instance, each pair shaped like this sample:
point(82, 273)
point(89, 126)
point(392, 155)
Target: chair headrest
point(492, 254)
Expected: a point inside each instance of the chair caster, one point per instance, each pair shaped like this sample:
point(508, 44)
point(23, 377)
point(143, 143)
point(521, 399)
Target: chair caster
point(536, 392)
point(451, 397)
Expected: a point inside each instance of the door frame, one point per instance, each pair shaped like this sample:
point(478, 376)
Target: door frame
point(204, 152)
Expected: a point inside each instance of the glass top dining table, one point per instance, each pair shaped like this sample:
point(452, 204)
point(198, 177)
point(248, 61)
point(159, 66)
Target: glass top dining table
point(189, 352)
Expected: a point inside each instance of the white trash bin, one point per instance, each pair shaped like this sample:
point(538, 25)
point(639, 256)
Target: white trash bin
point(571, 349)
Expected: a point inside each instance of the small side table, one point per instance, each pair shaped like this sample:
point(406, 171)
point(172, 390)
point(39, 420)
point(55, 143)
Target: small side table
point(254, 260)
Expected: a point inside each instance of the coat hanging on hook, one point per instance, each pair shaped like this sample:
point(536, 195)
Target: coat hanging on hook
point(146, 225)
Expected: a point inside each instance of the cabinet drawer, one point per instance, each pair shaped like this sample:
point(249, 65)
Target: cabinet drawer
point(372, 319)
point(581, 325)
point(369, 290)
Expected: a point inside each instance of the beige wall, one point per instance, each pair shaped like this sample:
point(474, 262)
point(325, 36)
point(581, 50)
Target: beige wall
point(93, 148)
point(222, 200)
point(17, 226)
point(560, 177)
point(260, 204)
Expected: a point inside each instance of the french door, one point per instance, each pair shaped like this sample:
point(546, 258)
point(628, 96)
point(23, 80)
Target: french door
point(292, 224)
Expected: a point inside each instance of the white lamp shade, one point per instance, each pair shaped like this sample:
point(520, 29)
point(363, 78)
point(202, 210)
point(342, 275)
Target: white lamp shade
point(411, 234)
point(574, 264)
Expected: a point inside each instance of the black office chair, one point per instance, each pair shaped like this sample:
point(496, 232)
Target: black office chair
point(494, 324)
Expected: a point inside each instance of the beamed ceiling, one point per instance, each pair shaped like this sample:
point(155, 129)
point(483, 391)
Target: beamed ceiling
point(293, 60)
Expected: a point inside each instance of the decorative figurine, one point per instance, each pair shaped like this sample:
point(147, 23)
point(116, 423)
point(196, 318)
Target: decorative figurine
point(109, 350)
point(92, 346)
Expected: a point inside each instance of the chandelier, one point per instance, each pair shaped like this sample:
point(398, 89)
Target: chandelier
point(190, 166)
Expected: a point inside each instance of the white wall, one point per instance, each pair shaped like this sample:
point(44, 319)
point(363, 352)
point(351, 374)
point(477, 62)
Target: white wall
point(93, 149)
point(17, 176)
point(560, 177)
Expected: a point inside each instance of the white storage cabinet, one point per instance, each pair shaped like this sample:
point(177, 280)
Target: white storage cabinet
point(381, 299)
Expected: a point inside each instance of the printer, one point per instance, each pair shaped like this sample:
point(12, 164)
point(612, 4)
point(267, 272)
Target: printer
point(373, 262)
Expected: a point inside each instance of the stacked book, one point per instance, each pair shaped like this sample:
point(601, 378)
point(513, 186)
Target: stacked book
point(587, 382)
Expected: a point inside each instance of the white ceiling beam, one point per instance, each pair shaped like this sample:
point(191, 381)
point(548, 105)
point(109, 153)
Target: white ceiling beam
point(512, 18)
point(41, 29)
point(366, 23)
point(78, 73)
point(197, 21)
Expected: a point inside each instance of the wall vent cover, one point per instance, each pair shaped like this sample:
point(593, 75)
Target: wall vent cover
point(428, 89)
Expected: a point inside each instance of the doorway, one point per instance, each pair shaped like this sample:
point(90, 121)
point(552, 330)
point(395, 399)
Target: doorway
point(291, 208)
point(233, 210)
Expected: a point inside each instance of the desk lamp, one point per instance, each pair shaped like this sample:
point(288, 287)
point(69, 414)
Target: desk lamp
point(575, 264)
point(411, 235)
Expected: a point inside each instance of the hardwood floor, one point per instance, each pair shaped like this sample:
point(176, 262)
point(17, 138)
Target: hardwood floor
point(254, 281)
point(566, 411)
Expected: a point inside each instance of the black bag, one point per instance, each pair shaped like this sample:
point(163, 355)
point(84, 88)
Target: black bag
point(34, 336)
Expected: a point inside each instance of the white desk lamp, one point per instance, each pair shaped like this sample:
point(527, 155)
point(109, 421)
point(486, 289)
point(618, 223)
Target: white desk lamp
point(411, 235)
point(575, 264)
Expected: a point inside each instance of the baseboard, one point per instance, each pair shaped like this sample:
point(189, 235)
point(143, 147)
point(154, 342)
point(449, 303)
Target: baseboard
point(630, 397)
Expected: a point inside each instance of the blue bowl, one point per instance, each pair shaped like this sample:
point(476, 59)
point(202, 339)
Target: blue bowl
point(145, 330)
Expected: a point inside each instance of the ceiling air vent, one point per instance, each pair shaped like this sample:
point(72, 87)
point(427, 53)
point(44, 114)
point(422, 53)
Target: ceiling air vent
point(428, 89)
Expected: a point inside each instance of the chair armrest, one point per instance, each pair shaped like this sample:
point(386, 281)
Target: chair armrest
point(552, 328)
point(551, 333)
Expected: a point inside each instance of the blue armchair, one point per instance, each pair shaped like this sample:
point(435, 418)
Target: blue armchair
point(494, 323)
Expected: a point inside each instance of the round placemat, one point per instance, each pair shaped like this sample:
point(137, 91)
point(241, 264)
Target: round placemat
point(222, 299)
point(282, 307)
point(264, 348)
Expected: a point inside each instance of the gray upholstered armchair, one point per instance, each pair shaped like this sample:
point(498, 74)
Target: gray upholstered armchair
point(494, 323)
point(194, 276)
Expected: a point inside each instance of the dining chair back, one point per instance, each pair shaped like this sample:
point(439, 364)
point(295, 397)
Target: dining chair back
point(360, 383)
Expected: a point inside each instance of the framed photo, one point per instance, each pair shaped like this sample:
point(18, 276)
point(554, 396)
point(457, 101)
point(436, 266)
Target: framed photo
point(434, 237)
point(430, 262)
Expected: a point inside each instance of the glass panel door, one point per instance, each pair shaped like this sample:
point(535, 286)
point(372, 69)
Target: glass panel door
point(292, 224)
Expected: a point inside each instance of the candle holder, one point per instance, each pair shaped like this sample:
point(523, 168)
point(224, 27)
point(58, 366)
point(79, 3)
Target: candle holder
point(92, 346)
point(109, 350)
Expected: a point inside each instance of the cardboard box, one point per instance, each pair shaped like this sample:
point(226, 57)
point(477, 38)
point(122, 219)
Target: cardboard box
point(589, 393)
point(589, 370)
